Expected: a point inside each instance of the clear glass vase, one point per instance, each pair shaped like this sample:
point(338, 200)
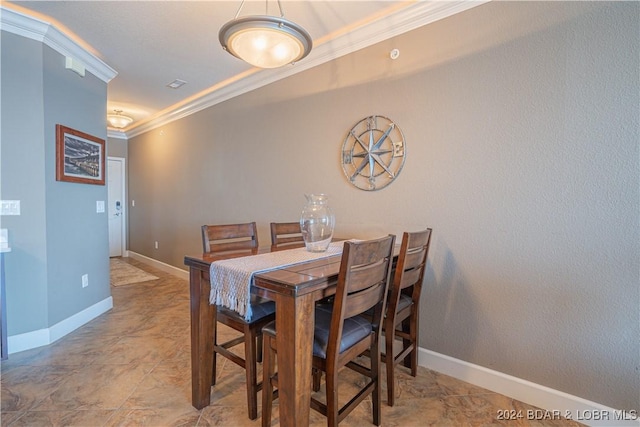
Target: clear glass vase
point(317, 223)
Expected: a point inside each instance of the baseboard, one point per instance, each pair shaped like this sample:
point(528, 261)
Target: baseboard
point(182, 274)
point(34, 339)
point(554, 403)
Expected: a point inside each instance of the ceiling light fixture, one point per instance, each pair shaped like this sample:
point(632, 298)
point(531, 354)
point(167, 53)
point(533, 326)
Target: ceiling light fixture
point(265, 41)
point(118, 120)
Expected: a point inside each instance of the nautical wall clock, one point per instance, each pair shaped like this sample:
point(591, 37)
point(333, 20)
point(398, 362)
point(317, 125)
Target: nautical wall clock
point(373, 153)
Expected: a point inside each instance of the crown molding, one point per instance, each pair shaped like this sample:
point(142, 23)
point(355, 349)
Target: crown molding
point(406, 19)
point(27, 26)
point(411, 17)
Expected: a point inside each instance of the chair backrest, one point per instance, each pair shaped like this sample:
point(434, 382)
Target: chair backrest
point(285, 233)
point(365, 271)
point(229, 237)
point(412, 262)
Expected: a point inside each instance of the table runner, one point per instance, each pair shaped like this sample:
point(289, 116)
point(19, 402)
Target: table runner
point(231, 279)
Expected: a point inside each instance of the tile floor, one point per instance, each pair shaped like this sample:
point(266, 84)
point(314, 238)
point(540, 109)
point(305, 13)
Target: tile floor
point(131, 367)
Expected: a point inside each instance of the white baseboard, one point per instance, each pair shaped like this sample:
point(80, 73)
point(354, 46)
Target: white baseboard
point(182, 274)
point(554, 402)
point(34, 339)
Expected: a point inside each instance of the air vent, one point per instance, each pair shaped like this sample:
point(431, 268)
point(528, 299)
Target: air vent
point(176, 84)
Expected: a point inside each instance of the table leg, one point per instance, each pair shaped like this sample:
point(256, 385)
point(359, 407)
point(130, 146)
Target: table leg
point(294, 323)
point(203, 318)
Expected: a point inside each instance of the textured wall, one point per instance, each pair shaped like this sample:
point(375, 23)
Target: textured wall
point(58, 236)
point(117, 147)
point(77, 236)
point(521, 121)
point(22, 156)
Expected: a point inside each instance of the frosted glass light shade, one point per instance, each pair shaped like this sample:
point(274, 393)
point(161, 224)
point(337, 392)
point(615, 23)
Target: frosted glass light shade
point(119, 121)
point(265, 41)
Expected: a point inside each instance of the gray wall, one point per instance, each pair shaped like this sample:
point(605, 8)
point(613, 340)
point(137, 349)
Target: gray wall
point(117, 147)
point(22, 176)
point(521, 122)
point(59, 236)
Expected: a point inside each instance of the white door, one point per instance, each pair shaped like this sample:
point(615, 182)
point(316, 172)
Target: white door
point(115, 176)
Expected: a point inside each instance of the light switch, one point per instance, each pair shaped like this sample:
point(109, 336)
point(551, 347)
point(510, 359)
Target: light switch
point(100, 206)
point(9, 207)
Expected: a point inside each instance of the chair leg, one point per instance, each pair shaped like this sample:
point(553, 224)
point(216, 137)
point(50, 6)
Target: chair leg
point(375, 376)
point(389, 338)
point(414, 338)
point(268, 368)
point(317, 378)
point(250, 368)
point(213, 364)
point(332, 396)
point(259, 349)
point(411, 360)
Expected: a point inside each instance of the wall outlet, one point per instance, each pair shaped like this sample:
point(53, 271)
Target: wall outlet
point(133, 203)
point(156, 245)
point(85, 280)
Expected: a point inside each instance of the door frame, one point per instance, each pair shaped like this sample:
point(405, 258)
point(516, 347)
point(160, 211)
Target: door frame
point(125, 211)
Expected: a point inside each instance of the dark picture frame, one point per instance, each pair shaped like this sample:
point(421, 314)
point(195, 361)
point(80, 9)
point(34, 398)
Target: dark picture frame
point(80, 157)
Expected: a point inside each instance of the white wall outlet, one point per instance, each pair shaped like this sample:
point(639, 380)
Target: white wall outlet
point(99, 206)
point(133, 203)
point(9, 207)
point(85, 280)
point(156, 245)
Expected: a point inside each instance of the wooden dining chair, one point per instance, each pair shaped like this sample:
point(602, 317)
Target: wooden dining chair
point(285, 234)
point(240, 237)
point(341, 334)
point(403, 306)
point(229, 237)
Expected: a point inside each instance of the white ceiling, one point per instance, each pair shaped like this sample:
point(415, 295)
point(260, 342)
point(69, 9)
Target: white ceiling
point(151, 43)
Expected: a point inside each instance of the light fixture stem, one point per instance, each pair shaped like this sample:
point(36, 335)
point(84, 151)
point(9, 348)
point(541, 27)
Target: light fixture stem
point(239, 9)
point(266, 9)
point(281, 12)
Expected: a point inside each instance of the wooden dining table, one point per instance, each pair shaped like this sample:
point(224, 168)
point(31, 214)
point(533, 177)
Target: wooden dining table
point(295, 289)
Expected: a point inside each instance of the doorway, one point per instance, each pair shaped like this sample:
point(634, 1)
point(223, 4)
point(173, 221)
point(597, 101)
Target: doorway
point(116, 205)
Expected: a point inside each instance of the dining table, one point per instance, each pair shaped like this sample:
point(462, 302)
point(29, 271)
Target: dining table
point(295, 289)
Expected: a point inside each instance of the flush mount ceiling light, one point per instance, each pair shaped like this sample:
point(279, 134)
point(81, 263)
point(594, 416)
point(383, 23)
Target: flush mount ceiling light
point(118, 120)
point(265, 41)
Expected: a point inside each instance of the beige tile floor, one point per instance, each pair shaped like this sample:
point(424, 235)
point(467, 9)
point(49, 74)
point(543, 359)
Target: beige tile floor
point(131, 367)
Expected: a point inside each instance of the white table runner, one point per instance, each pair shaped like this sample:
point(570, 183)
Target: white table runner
point(231, 279)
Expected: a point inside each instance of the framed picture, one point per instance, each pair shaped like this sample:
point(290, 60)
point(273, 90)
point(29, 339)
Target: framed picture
point(79, 156)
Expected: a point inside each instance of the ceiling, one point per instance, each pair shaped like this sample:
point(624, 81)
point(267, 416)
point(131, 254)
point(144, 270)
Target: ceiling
point(149, 44)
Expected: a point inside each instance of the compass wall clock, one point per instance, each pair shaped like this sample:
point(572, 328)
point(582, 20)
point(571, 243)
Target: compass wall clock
point(373, 153)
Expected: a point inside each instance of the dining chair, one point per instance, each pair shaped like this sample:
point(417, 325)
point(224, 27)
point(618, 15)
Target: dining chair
point(285, 234)
point(240, 237)
point(229, 237)
point(403, 306)
point(341, 334)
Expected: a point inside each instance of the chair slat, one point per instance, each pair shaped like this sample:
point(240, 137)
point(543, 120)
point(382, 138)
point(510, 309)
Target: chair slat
point(285, 233)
